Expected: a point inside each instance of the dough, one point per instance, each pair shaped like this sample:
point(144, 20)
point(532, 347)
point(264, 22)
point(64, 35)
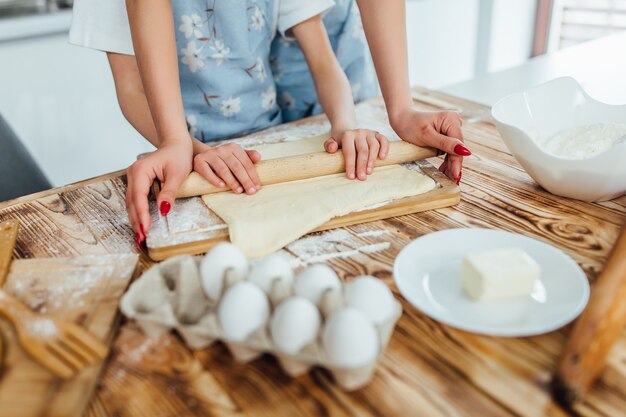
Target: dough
point(281, 213)
point(292, 147)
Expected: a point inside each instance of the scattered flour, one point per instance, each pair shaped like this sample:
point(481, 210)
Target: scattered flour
point(584, 141)
point(44, 328)
point(336, 244)
point(373, 233)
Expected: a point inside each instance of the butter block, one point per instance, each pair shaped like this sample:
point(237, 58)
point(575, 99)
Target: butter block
point(499, 273)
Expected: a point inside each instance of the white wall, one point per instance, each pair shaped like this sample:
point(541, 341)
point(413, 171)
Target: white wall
point(512, 33)
point(454, 40)
point(61, 102)
point(441, 41)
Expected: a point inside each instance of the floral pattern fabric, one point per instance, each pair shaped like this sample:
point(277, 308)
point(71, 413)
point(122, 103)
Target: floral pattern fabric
point(223, 49)
point(294, 84)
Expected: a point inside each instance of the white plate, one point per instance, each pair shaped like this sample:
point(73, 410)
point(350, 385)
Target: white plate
point(428, 274)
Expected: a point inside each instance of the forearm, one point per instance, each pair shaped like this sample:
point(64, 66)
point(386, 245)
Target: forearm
point(335, 96)
point(132, 99)
point(384, 23)
point(331, 83)
point(152, 30)
point(135, 108)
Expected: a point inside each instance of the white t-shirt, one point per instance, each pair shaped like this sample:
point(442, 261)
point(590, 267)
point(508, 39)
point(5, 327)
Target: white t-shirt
point(103, 24)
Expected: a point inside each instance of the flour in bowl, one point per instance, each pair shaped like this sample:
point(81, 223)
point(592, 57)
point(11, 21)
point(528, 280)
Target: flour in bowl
point(585, 141)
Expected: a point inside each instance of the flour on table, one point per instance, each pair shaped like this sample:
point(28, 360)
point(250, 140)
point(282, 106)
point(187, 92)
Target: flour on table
point(584, 141)
point(337, 244)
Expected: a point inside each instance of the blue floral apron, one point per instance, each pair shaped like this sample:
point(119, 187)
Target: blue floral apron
point(296, 92)
point(223, 52)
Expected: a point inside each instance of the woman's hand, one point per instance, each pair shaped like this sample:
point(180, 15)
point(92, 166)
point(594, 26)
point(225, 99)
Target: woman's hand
point(230, 165)
point(170, 164)
point(441, 130)
point(361, 148)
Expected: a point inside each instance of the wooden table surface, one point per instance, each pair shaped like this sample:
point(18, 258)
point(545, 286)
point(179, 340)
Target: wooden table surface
point(429, 369)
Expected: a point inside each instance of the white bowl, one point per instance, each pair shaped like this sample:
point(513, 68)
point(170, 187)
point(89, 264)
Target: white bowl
point(542, 111)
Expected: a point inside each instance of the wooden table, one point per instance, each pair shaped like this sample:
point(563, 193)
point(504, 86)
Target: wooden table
point(429, 369)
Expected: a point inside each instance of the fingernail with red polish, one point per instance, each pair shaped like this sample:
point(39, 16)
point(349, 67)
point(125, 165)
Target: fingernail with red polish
point(458, 180)
point(462, 150)
point(138, 240)
point(165, 208)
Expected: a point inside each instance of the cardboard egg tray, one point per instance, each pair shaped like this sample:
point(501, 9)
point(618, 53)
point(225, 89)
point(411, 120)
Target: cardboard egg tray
point(170, 296)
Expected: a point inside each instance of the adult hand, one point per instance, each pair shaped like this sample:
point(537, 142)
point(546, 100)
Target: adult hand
point(441, 130)
point(170, 164)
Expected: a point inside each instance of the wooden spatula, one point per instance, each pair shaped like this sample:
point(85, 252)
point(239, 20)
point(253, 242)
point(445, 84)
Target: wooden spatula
point(62, 347)
point(8, 236)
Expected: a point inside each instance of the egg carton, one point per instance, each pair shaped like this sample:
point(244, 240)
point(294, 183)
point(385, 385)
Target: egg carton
point(174, 296)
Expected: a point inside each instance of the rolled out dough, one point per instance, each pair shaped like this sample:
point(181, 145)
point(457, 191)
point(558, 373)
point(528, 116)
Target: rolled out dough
point(281, 213)
point(292, 147)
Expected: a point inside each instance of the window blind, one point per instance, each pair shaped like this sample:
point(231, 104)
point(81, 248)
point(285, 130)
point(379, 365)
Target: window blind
point(584, 20)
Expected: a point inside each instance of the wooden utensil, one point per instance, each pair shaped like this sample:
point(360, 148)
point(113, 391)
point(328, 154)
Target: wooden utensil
point(83, 288)
point(62, 347)
point(8, 236)
point(299, 167)
point(595, 332)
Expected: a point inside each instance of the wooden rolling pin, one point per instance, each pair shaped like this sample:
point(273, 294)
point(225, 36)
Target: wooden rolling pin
point(595, 332)
point(299, 167)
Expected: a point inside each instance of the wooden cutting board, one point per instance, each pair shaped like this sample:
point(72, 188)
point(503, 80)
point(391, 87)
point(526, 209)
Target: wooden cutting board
point(194, 229)
point(85, 290)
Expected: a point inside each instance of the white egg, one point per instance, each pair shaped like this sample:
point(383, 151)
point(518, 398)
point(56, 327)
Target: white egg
point(243, 310)
point(371, 297)
point(273, 267)
point(294, 324)
point(314, 281)
point(350, 339)
point(223, 259)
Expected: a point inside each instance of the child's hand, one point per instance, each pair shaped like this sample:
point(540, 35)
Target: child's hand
point(170, 164)
point(230, 165)
point(361, 148)
point(441, 130)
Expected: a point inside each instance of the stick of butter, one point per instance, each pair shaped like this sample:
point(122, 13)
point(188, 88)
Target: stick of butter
point(499, 273)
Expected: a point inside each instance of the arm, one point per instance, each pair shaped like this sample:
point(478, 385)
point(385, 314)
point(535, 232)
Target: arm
point(385, 28)
point(149, 92)
point(133, 101)
point(151, 25)
point(360, 147)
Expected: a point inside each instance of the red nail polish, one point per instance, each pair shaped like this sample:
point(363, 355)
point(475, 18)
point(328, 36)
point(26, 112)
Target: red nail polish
point(462, 150)
point(138, 240)
point(458, 180)
point(165, 208)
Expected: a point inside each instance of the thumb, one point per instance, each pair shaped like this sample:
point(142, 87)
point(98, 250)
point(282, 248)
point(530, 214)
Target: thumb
point(449, 145)
point(169, 188)
point(331, 145)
